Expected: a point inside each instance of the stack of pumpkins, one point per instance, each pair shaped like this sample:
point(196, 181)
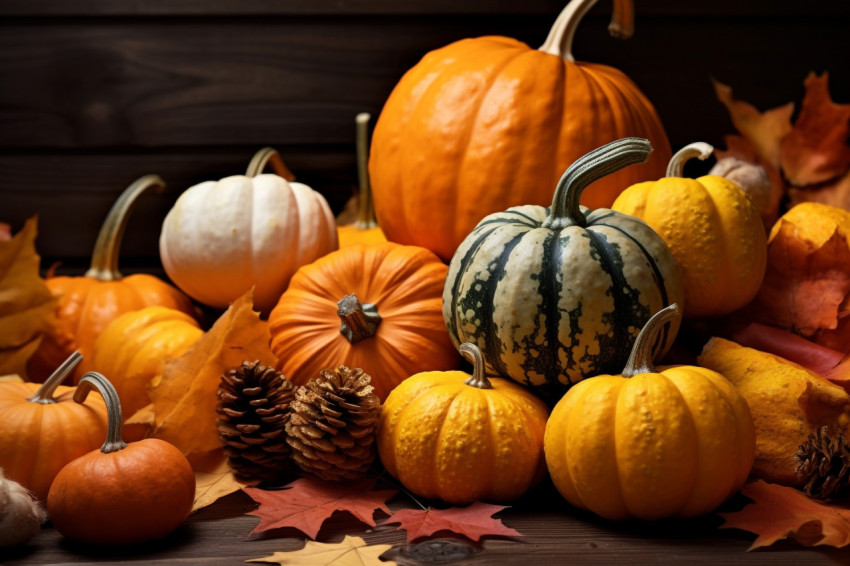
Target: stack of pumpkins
point(464, 158)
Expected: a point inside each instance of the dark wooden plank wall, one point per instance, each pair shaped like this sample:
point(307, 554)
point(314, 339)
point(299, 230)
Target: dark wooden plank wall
point(95, 93)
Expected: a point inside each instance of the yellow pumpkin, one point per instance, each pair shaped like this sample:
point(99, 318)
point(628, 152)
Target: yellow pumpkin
point(133, 350)
point(463, 438)
point(713, 230)
point(221, 238)
point(650, 444)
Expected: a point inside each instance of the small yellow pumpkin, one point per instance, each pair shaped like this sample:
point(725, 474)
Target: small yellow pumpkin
point(713, 230)
point(462, 438)
point(134, 347)
point(650, 444)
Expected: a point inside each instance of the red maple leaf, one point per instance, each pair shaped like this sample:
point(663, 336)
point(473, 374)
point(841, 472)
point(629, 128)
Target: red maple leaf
point(473, 521)
point(779, 512)
point(307, 502)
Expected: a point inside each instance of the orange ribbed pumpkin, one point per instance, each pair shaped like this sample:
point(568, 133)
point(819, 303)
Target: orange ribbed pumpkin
point(88, 304)
point(488, 123)
point(377, 307)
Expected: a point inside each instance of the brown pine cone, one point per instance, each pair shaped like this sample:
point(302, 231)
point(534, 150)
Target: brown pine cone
point(253, 409)
point(823, 464)
point(333, 423)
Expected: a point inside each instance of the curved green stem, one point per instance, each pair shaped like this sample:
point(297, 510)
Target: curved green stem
point(268, 156)
point(44, 394)
point(104, 262)
point(640, 360)
point(676, 166)
point(473, 354)
point(365, 207)
point(598, 163)
point(115, 421)
point(560, 39)
point(358, 321)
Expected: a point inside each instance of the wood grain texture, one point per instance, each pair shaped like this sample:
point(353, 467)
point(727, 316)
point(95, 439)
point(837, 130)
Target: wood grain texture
point(554, 533)
point(96, 93)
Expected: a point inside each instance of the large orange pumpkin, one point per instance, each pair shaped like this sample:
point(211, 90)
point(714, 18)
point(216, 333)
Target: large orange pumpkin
point(488, 123)
point(377, 307)
point(88, 304)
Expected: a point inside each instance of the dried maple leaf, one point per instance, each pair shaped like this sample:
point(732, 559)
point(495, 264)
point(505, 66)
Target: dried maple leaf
point(473, 521)
point(816, 149)
point(214, 478)
point(779, 512)
point(352, 551)
point(27, 306)
point(807, 279)
point(787, 402)
point(307, 502)
point(764, 130)
point(184, 398)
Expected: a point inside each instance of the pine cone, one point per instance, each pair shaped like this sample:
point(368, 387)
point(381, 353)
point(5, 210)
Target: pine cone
point(823, 463)
point(253, 409)
point(332, 425)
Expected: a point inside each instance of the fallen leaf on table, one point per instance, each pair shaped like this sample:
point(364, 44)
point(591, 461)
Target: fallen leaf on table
point(816, 150)
point(307, 502)
point(214, 478)
point(27, 307)
point(787, 402)
point(352, 551)
point(807, 280)
point(473, 521)
point(780, 512)
point(184, 399)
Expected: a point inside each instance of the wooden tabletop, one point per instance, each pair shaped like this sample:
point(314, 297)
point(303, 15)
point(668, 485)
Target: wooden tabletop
point(554, 533)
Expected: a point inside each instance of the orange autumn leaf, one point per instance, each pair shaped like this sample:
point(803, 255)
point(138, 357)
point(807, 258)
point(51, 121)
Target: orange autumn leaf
point(27, 306)
point(807, 280)
point(780, 512)
point(816, 149)
point(214, 478)
point(184, 399)
point(764, 130)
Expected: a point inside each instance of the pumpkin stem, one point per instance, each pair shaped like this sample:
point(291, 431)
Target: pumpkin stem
point(560, 39)
point(598, 163)
point(268, 156)
point(473, 354)
point(640, 359)
point(676, 167)
point(359, 321)
point(44, 394)
point(115, 421)
point(104, 261)
point(365, 207)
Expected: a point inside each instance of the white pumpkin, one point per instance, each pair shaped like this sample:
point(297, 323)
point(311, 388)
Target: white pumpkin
point(223, 237)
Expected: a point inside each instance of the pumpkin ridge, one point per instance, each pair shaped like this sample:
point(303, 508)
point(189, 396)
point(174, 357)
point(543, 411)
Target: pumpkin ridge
point(608, 256)
point(549, 290)
point(436, 472)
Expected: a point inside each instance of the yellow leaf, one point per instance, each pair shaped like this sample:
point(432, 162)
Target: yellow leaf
point(27, 306)
point(184, 399)
point(352, 551)
point(214, 479)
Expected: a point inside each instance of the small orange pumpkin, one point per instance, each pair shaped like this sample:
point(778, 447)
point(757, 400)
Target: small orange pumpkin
point(42, 429)
point(461, 437)
point(134, 347)
point(88, 304)
point(364, 229)
point(122, 493)
point(375, 307)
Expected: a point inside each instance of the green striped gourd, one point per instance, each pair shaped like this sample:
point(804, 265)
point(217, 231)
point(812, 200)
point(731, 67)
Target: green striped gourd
point(554, 295)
